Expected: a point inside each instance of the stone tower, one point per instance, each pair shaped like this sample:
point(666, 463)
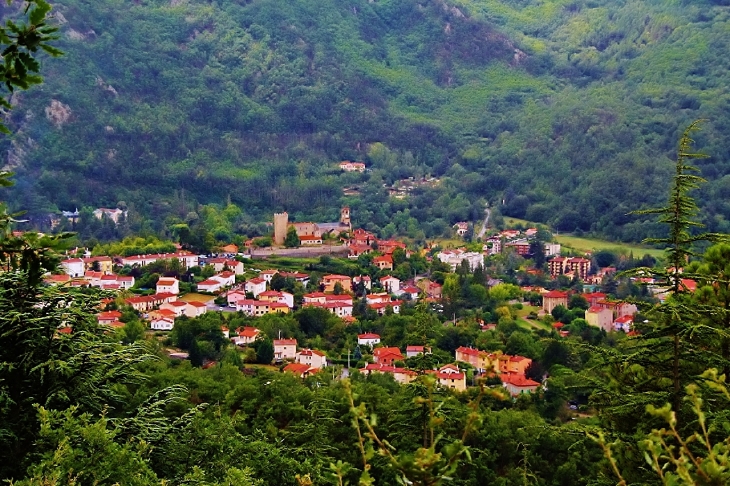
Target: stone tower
point(345, 216)
point(281, 224)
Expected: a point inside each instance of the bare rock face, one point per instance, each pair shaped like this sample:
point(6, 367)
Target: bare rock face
point(75, 35)
point(58, 113)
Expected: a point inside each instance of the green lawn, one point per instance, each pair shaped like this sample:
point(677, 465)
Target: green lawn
point(591, 244)
point(525, 323)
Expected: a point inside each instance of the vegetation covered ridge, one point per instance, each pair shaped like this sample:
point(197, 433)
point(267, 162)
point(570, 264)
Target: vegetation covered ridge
point(555, 111)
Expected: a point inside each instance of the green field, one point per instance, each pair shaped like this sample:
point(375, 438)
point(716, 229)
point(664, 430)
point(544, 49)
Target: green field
point(591, 244)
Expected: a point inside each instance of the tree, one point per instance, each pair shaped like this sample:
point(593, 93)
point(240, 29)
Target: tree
point(291, 240)
point(264, 350)
point(53, 354)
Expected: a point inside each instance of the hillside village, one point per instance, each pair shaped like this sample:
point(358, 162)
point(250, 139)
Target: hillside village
point(233, 284)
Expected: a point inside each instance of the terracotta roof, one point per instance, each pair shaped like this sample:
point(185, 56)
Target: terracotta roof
point(285, 342)
point(311, 352)
point(249, 332)
point(296, 368)
point(195, 303)
point(556, 294)
point(518, 379)
point(368, 335)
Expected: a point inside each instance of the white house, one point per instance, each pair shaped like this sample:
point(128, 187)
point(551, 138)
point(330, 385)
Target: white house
point(285, 348)
point(178, 307)
point(210, 285)
point(391, 284)
point(162, 324)
point(168, 285)
point(268, 274)
point(256, 286)
point(365, 279)
point(312, 357)
point(221, 264)
point(454, 258)
point(368, 339)
point(74, 267)
point(246, 336)
point(225, 278)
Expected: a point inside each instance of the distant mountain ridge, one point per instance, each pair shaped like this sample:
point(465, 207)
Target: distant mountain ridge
point(566, 111)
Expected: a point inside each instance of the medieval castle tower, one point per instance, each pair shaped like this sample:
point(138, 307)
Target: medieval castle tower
point(281, 225)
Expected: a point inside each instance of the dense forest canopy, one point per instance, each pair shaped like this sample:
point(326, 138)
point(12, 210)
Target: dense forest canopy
point(563, 112)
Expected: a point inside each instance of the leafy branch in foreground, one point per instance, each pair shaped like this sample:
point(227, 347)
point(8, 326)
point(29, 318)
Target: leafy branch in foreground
point(697, 458)
point(429, 465)
point(21, 42)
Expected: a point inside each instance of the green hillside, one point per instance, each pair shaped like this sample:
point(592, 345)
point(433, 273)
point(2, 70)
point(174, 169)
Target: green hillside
point(565, 111)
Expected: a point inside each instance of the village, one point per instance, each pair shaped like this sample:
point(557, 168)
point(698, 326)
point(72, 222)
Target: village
point(234, 284)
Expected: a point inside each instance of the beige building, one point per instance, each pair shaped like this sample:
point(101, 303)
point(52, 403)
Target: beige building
point(600, 317)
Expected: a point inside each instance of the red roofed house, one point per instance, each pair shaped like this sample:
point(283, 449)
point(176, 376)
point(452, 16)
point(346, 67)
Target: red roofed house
point(356, 250)
point(600, 316)
point(329, 282)
point(594, 297)
point(221, 264)
point(178, 307)
point(226, 278)
point(162, 323)
point(449, 376)
point(554, 298)
point(312, 358)
point(168, 285)
point(382, 307)
point(623, 323)
point(362, 237)
point(210, 285)
point(414, 350)
point(281, 297)
point(515, 364)
point(348, 166)
point(268, 274)
point(384, 262)
point(298, 369)
point(108, 317)
point(410, 291)
point(310, 240)
point(387, 356)
point(368, 339)
point(391, 284)
point(366, 282)
point(235, 296)
point(285, 348)
point(401, 375)
point(517, 383)
point(246, 335)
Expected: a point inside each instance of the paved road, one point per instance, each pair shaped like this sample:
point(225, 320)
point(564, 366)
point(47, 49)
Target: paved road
point(486, 221)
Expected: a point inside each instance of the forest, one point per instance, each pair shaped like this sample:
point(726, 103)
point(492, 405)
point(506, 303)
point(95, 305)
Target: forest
point(564, 112)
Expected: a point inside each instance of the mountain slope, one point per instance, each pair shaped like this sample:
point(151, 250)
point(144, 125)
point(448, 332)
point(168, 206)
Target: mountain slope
point(566, 111)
